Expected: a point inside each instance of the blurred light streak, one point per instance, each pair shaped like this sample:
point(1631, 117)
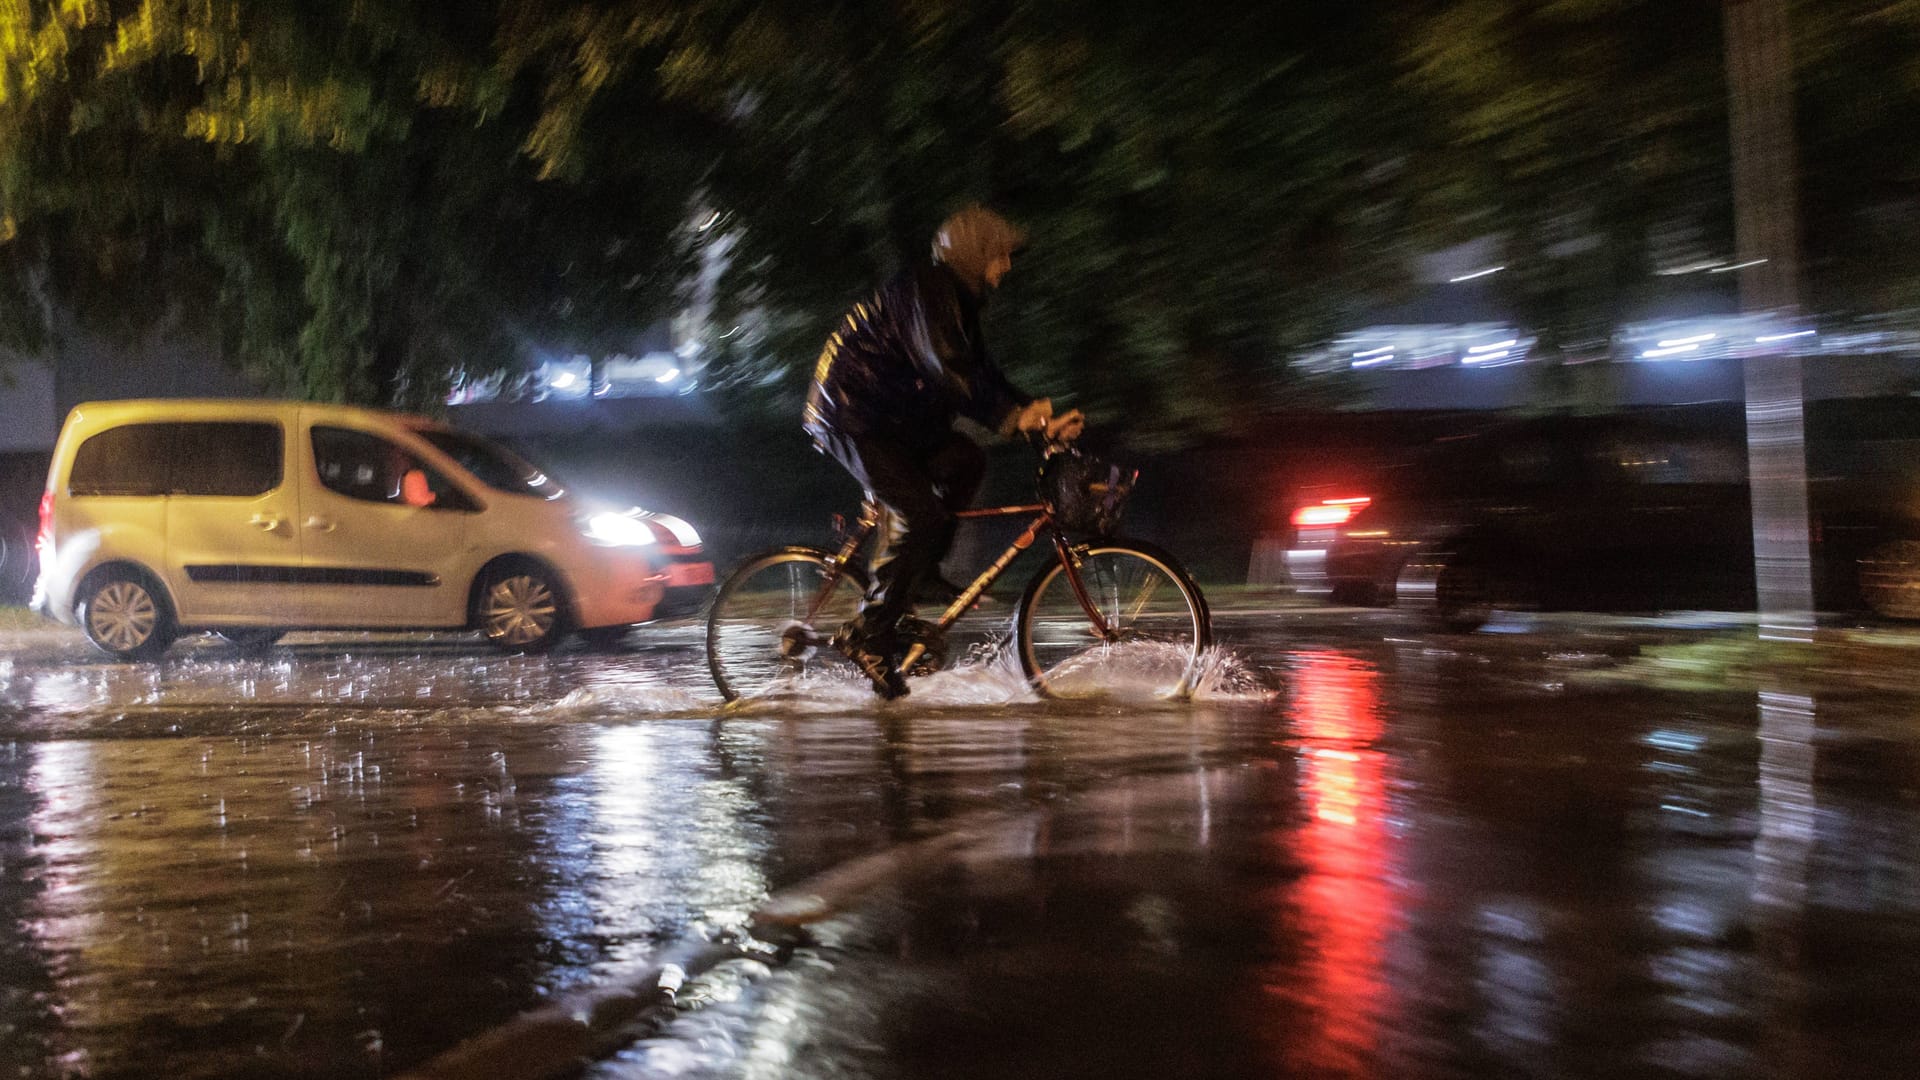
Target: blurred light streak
point(1475, 275)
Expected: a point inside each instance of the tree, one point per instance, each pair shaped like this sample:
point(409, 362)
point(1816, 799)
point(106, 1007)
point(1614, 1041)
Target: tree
point(340, 194)
point(1205, 191)
point(1588, 136)
point(360, 199)
point(1592, 135)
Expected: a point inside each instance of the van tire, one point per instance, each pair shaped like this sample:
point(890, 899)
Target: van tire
point(605, 638)
point(521, 608)
point(251, 642)
point(125, 615)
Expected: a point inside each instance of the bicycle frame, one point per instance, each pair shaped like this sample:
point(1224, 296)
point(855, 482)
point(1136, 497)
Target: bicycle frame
point(870, 520)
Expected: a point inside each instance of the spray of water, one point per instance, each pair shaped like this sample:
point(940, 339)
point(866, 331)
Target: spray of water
point(1132, 674)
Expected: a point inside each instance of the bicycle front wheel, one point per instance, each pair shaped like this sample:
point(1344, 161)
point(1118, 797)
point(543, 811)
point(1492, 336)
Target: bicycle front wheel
point(1157, 625)
point(771, 619)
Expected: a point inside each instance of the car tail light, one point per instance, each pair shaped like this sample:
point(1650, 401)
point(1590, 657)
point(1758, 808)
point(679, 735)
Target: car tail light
point(43, 541)
point(1328, 512)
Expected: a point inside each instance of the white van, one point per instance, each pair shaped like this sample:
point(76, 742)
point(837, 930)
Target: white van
point(253, 518)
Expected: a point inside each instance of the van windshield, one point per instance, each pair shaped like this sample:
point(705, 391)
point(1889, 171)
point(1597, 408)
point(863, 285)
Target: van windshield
point(494, 465)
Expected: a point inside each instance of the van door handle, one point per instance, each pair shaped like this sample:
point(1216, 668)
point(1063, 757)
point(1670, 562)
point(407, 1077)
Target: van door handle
point(267, 522)
point(320, 524)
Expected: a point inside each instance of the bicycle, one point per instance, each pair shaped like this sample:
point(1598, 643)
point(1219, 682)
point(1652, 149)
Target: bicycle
point(1099, 599)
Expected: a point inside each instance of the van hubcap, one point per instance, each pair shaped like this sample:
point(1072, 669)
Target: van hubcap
point(122, 615)
point(520, 610)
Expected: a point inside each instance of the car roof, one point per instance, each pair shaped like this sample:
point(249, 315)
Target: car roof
point(132, 409)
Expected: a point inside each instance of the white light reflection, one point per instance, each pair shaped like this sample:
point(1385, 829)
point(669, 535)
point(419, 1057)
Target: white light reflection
point(1477, 274)
point(66, 917)
point(665, 826)
point(1787, 805)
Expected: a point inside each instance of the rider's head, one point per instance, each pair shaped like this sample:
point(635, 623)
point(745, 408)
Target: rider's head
point(978, 245)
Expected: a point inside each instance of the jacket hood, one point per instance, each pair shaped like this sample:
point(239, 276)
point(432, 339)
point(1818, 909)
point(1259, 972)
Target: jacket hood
point(971, 239)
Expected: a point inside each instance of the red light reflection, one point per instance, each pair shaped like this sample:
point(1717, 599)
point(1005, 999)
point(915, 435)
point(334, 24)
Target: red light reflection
point(1342, 911)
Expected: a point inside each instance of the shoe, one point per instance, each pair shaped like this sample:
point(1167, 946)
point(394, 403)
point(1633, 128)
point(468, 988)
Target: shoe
point(933, 644)
point(887, 680)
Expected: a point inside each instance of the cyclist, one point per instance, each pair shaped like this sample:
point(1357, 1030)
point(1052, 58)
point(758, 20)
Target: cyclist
point(896, 374)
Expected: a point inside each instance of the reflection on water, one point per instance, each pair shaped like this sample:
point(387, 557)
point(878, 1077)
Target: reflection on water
point(663, 821)
point(1787, 806)
point(1400, 865)
point(336, 906)
point(1343, 909)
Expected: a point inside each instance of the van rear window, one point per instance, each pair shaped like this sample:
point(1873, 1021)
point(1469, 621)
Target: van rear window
point(213, 458)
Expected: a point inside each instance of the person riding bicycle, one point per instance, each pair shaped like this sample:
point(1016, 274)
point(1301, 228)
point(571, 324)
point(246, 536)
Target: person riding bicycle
point(900, 369)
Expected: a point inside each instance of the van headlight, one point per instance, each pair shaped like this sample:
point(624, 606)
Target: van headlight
point(682, 533)
point(618, 530)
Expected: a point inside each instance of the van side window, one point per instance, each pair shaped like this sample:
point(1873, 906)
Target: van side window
point(127, 460)
point(216, 458)
point(225, 459)
point(371, 469)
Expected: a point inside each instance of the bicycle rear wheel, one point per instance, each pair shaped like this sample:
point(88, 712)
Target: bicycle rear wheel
point(1157, 621)
point(771, 618)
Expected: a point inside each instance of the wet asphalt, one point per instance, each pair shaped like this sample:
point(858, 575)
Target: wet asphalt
point(1365, 850)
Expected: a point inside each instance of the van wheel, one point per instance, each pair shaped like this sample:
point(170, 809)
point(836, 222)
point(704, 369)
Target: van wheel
point(251, 642)
point(125, 617)
point(520, 610)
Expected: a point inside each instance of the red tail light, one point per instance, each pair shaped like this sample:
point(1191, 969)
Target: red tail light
point(1328, 512)
point(43, 542)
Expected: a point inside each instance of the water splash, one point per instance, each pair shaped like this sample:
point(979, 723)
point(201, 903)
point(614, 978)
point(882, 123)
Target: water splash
point(1130, 674)
point(1226, 676)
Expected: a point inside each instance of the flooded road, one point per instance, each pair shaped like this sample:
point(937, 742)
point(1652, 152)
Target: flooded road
point(1363, 851)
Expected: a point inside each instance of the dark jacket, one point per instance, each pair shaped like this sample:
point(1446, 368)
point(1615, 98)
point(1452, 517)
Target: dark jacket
point(906, 362)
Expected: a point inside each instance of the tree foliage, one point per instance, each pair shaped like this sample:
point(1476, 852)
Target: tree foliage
point(341, 194)
point(360, 198)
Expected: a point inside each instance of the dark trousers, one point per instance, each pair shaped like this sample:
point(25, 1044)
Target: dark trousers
point(921, 488)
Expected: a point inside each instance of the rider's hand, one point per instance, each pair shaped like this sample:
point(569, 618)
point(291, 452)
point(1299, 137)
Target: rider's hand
point(1033, 416)
point(1067, 426)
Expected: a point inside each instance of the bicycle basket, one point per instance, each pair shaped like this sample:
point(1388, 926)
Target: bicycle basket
point(1085, 494)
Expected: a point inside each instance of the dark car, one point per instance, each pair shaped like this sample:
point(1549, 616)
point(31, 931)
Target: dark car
point(1641, 511)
